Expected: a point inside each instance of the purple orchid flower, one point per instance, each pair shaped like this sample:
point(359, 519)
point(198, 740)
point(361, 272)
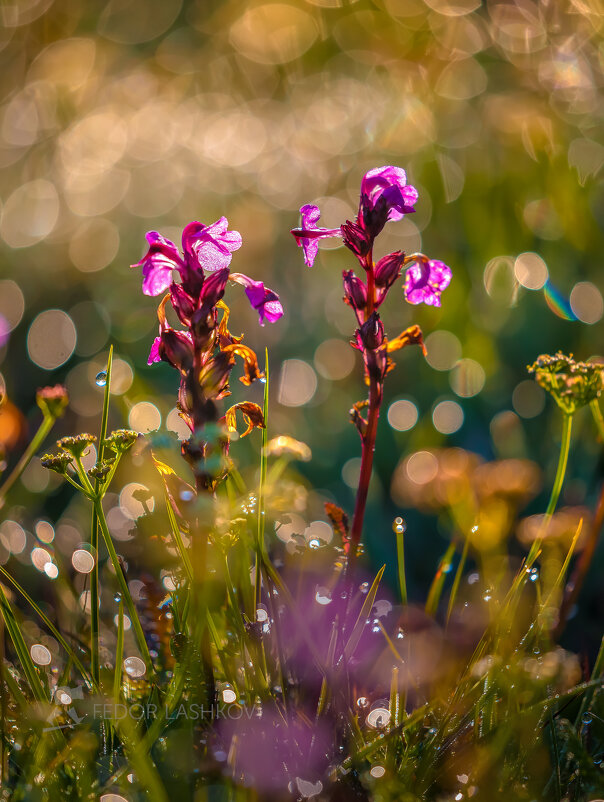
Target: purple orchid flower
point(210, 247)
point(425, 280)
point(308, 235)
point(206, 248)
point(390, 184)
point(263, 300)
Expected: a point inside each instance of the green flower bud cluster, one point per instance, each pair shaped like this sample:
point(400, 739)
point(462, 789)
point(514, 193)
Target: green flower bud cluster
point(571, 384)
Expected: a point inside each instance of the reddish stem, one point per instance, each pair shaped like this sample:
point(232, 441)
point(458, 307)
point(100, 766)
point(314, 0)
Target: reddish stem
point(368, 440)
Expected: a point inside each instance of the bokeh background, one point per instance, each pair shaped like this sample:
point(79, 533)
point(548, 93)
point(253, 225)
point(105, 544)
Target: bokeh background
point(123, 116)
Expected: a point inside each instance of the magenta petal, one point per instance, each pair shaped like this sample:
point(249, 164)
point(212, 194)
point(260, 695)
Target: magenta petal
point(210, 246)
point(263, 300)
point(307, 235)
point(158, 263)
point(154, 352)
point(389, 183)
point(157, 277)
point(425, 281)
point(381, 177)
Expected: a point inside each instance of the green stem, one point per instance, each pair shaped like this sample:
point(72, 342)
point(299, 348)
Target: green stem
point(125, 591)
point(94, 534)
point(597, 416)
point(402, 578)
point(567, 422)
point(39, 437)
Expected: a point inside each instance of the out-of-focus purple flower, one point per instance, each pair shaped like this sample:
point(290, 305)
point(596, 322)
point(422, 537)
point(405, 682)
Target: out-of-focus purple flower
point(308, 235)
point(263, 300)
point(158, 264)
point(425, 280)
point(389, 184)
point(4, 331)
point(210, 247)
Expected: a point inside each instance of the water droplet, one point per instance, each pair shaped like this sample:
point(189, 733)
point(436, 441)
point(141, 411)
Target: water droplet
point(488, 595)
point(587, 718)
point(363, 701)
point(186, 495)
point(117, 597)
point(378, 718)
point(40, 654)
point(134, 667)
point(364, 587)
point(314, 543)
point(377, 771)
point(323, 596)
point(399, 526)
point(101, 378)
point(534, 575)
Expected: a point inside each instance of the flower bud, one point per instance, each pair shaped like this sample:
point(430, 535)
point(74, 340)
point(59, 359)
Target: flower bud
point(121, 440)
point(213, 287)
point(52, 400)
point(101, 469)
point(356, 239)
point(176, 349)
point(388, 269)
point(182, 302)
point(77, 445)
point(371, 333)
point(373, 216)
point(56, 462)
point(355, 291)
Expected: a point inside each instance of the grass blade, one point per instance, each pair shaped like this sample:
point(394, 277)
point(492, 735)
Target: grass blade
point(55, 632)
point(357, 630)
point(95, 663)
point(436, 588)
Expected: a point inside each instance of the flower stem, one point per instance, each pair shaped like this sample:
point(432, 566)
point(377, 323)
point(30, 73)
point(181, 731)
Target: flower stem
point(367, 452)
point(567, 421)
point(597, 415)
point(376, 394)
point(125, 591)
point(34, 445)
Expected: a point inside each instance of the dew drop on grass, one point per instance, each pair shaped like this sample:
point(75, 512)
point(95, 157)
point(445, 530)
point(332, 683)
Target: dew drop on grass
point(587, 718)
point(364, 587)
point(134, 667)
point(101, 379)
point(40, 654)
point(399, 526)
point(117, 597)
point(186, 495)
point(314, 543)
point(378, 718)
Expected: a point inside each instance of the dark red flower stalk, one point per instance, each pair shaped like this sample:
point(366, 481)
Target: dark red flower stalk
point(385, 196)
point(204, 353)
